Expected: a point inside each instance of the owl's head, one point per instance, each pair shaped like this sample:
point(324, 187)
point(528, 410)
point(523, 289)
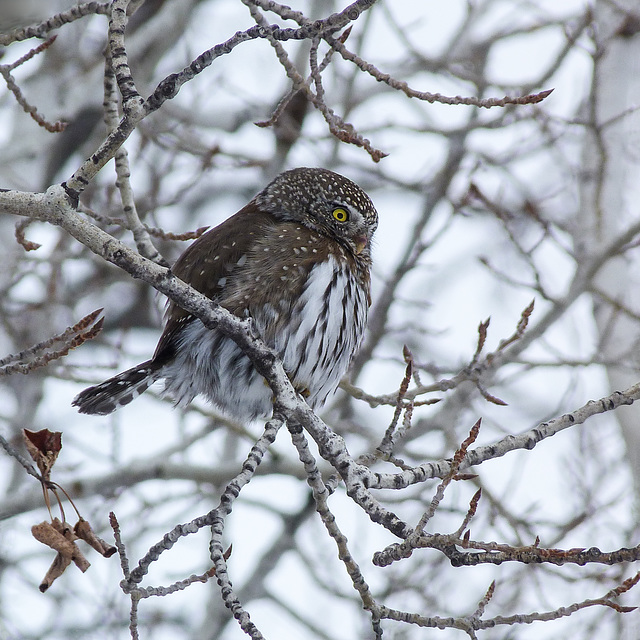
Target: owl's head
point(325, 202)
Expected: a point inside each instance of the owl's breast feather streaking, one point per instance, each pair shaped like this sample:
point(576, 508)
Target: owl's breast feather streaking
point(296, 259)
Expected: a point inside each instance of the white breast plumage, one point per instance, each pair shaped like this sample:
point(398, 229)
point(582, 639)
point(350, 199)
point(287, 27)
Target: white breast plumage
point(316, 342)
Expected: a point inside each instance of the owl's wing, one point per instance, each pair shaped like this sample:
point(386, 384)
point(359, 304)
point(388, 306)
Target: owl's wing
point(208, 262)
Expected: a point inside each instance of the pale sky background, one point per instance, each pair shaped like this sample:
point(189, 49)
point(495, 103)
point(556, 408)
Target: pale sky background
point(462, 294)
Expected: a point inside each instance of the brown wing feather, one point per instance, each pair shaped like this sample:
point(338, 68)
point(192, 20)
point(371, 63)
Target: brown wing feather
point(277, 267)
point(250, 262)
point(208, 260)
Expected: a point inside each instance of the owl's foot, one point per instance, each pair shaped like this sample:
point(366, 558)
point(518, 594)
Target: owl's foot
point(303, 391)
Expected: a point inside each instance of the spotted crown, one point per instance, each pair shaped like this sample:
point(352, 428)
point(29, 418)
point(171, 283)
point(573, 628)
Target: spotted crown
point(307, 190)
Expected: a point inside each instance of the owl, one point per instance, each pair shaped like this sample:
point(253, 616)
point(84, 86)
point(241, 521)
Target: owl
point(296, 260)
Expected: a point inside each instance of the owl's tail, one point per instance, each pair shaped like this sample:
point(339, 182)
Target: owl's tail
point(115, 392)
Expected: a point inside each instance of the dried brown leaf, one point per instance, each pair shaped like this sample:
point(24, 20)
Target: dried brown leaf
point(57, 568)
point(43, 446)
point(61, 538)
point(83, 530)
point(50, 535)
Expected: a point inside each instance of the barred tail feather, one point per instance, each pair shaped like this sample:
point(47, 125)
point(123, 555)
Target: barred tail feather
point(118, 391)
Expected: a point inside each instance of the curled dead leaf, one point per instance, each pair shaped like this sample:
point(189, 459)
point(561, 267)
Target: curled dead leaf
point(57, 568)
point(61, 538)
point(84, 531)
point(43, 446)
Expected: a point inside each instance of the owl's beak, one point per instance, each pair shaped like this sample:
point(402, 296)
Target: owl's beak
point(361, 242)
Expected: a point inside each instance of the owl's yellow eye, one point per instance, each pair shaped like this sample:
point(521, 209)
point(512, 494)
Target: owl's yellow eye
point(340, 214)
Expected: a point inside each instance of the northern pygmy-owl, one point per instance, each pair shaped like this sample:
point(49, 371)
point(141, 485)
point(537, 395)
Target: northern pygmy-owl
point(296, 259)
